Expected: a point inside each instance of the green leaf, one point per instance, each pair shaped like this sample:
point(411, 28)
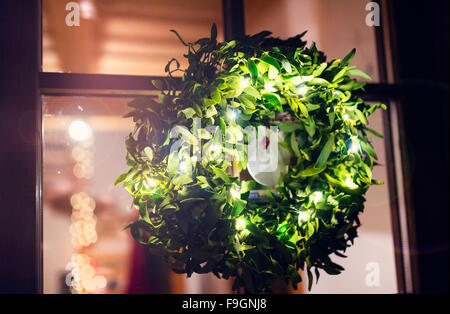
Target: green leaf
point(340, 74)
point(368, 149)
point(352, 85)
point(373, 107)
point(361, 116)
point(185, 134)
point(320, 69)
point(245, 247)
point(252, 92)
point(221, 174)
point(181, 179)
point(288, 127)
point(121, 178)
point(209, 102)
point(273, 72)
point(335, 182)
point(203, 181)
point(310, 126)
point(274, 99)
point(326, 150)
point(204, 134)
point(303, 108)
point(238, 207)
point(310, 278)
point(374, 132)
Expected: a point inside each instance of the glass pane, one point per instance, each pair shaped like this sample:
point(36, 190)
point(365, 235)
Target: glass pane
point(370, 265)
point(86, 249)
point(123, 37)
point(335, 26)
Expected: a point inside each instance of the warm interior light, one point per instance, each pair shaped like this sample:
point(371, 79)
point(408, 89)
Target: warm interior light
point(80, 130)
point(240, 224)
point(232, 115)
point(269, 87)
point(88, 10)
point(215, 148)
point(183, 167)
point(349, 182)
point(354, 146)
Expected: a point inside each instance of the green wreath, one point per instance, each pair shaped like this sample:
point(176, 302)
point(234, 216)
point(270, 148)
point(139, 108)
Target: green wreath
point(197, 215)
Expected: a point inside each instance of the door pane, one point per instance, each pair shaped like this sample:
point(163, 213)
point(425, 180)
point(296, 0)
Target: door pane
point(123, 36)
point(86, 249)
point(337, 27)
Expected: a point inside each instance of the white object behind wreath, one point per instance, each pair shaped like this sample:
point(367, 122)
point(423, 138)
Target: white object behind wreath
point(266, 159)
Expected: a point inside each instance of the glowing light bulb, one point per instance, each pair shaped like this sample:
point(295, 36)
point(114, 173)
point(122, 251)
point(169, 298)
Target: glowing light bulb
point(80, 130)
point(349, 182)
point(232, 115)
point(240, 224)
point(302, 89)
point(354, 147)
point(88, 10)
point(269, 87)
point(316, 196)
point(244, 83)
point(303, 216)
point(100, 281)
point(235, 193)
